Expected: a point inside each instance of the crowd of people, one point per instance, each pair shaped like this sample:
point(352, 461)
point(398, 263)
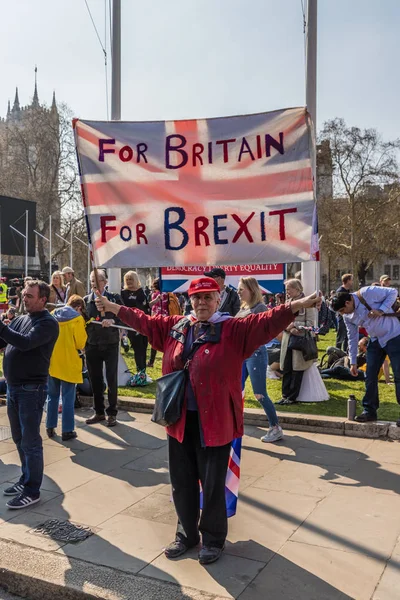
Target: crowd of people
point(222, 336)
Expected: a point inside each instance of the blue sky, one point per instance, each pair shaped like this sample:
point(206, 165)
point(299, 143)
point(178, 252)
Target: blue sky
point(192, 58)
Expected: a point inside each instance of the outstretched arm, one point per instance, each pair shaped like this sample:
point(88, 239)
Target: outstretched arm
point(263, 327)
point(155, 328)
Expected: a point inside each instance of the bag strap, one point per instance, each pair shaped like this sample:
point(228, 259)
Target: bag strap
point(367, 306)
point(192, 352)
point(362, 300)
point(57, 292)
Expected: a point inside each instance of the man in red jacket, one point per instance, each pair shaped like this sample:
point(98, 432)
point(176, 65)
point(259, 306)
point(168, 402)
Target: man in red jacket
point(199, 442)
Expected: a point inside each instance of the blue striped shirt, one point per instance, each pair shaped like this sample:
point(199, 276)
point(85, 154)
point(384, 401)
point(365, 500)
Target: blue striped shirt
point(382, 329)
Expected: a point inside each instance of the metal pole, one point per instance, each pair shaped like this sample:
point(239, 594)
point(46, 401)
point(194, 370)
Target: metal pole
point(1, 258)
point(116, 62)
point(70, 248)
point(26, 243)
point(114, 275)
point(310, 271)
point(89, 268)
point(50, 249)
point(311, 68)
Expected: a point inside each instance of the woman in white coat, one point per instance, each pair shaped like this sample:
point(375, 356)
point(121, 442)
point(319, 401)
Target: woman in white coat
point(293, 364)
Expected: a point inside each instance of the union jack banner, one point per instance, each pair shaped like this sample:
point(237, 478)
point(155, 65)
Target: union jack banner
point(233, 478)
point(232, 191)
point(315, 236)
point(270, 277)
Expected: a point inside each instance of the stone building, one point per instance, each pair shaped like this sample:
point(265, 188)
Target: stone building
point(29, 154)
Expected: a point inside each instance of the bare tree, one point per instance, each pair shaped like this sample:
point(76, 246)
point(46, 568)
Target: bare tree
point(361, 221)
point(41, 166)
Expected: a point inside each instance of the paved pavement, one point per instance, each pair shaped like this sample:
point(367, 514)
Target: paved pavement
point(318, 515)
point(6, 596)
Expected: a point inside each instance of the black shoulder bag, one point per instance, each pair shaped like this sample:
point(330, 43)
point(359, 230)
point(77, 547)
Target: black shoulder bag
point(305, 343)
point(170, 394)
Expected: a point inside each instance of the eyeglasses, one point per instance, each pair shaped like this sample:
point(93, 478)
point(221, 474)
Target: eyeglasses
point(206, 297)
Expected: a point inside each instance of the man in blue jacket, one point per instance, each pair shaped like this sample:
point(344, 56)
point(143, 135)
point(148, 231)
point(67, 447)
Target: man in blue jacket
point(29, 342)
point(370, 308)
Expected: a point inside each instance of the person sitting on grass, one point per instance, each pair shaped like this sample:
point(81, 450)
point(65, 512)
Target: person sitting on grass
point(341, 368)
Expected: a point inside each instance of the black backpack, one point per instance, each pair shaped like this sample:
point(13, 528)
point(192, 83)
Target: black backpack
point(331, 357)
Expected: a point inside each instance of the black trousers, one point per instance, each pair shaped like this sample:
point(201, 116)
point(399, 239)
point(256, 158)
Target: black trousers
point(189, 463)
point(152, 356)
point(96, 357)
point(341, 335)
point(291, 380)
point(139, 345)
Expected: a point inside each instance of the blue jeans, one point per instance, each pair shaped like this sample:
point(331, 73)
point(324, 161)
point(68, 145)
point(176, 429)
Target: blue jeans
point(25, 409)
point(375, 357)
point(255, 367)
point(68, 403)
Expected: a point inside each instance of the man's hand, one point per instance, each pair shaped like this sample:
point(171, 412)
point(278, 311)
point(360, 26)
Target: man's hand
point(374, 313)
point(354, 370)
point(311, 301)
point(104, 305)
point(107, 322)
point(295, 331)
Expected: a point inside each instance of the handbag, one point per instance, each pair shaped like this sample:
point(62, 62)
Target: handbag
point(170, 394)
point(306, 344)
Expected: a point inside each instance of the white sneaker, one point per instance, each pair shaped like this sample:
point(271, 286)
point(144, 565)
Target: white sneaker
point(273, 434)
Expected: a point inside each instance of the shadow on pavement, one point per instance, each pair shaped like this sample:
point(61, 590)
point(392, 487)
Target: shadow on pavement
point(366, 473)
point(274, 578)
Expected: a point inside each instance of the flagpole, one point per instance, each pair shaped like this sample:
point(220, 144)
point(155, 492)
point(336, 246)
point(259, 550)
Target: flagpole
point(1, 257)
point(50, 249)
point(114, 274)
point(26, 243)
point(71, 254)
point(310, 271)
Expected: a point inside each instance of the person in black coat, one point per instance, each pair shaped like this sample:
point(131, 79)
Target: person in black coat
point(133, 296)
point(230, 301)
point(102, 349)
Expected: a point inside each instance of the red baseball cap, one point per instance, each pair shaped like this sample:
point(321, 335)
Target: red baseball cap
point(203, 284)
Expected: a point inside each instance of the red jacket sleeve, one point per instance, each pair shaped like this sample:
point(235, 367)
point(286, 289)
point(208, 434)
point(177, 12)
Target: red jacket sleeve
point(255, 330)
point(156, 328)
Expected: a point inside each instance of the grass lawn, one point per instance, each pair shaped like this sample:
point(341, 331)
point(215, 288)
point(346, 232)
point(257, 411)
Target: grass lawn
point(338, 391)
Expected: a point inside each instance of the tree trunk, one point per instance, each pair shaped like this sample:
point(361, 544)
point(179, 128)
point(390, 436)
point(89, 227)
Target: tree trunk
point(352, 234)
point(328, 291)
point(42, 256)
point(362, 273)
